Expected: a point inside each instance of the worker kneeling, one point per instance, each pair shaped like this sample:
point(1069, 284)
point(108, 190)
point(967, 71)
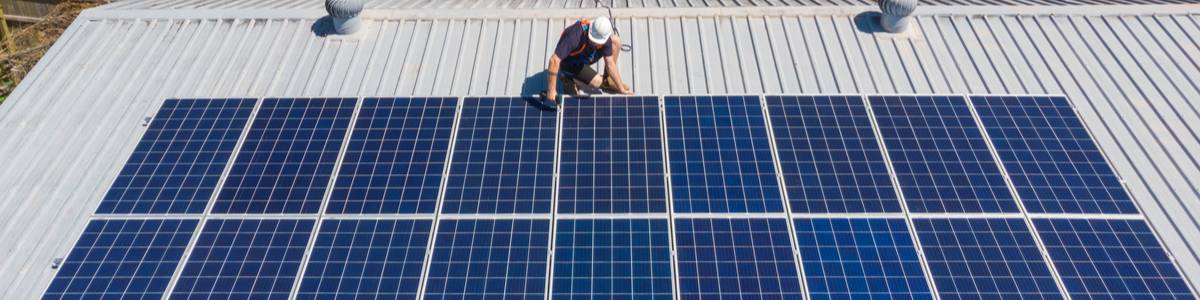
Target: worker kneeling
point(579, 47)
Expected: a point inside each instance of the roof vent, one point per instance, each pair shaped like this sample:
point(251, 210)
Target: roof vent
point(896, 14)
point(345, 15)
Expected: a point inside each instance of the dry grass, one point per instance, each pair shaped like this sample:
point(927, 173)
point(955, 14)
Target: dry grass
point(33, 41)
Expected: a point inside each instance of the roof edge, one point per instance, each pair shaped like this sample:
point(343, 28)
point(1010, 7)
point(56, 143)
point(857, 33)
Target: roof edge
point(109, 13)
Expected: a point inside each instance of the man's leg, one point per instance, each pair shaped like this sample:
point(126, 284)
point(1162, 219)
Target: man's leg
point(588, 76)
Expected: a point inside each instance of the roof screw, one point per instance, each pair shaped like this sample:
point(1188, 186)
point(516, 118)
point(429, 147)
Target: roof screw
point(896, 14)
point(345, 15)
point(56, 263)
point(146, 121)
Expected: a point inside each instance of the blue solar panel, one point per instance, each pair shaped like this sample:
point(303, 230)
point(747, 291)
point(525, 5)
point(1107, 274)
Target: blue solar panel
point(720, 155)
point(287, 158)
point(830, 157)
point(366, 259)
point(1051, 158)
point(940, 156)
point(985, 258)
point(244, 259)
point(612, 157)
point(503, 159)
point(177, 164)
point(475, 259)
point(1111, 259)
point(126, 259)
point(614, 258)
point(736, 258)
point(396, 156)
point(860, 259)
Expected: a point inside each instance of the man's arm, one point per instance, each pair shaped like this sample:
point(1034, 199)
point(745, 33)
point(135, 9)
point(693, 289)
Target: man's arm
point(610, 64)
point(552, 78)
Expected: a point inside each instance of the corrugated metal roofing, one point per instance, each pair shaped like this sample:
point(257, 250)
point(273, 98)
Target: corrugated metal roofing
point(559, 4)
point(69, 127)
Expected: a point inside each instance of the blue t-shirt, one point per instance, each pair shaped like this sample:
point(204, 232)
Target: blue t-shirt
point(575, 49)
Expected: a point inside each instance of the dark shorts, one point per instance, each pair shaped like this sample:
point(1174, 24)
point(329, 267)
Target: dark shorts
point(580, 72)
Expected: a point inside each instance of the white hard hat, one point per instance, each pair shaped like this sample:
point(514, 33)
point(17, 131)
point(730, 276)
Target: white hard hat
point(600, 30)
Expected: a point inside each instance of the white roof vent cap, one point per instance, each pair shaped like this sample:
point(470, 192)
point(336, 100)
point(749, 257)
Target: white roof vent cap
point(344, 14)
point(896, 14)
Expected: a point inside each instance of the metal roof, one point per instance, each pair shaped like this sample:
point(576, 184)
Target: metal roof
point(560, 4)
point(66, 131)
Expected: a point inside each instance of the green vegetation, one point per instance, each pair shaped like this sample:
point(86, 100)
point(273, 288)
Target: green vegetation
point(32, 41)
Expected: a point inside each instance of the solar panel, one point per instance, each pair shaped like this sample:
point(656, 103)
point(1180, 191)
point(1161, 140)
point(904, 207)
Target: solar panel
point(179, 160)
point(127, 259)
point(503, 159)
point(940, 156)
point(1111, 259)
point(829, 155)
point(985, 258)
point(367, 259)
point(736, 258)
point(475, 259)
point(720, 155)
point(612, 156)
point(244, 259)
point(287, 158)
point(1052, 160)
point(860, 259)
point(618, 258)
point(395, 158)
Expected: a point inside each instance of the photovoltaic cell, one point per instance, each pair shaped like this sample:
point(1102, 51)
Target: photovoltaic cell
point(287, 158)
point(612, 156)
point(985, 258)
point(940, 156)
point(475, 259)
point(244, 259)
point(830, 156)
point(1051, 158)
point(126, 259)
point(860, 259)
point(366, 259)
point(736, 258)
point(177, 164)
point(614, 258)
point(503, 160)
point(396, 156)
point(1111, 259)
point(720, 155)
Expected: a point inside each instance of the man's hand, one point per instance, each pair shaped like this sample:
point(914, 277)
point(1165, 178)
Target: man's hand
point(552, 96)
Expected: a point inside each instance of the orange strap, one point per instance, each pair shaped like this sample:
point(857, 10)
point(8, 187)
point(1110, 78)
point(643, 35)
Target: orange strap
point(585, 24)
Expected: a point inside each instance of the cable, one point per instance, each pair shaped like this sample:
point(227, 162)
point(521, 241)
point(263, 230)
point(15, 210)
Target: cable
point(626, 46)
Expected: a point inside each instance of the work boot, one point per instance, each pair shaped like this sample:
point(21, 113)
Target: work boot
point(569, 87)
point(610, 84)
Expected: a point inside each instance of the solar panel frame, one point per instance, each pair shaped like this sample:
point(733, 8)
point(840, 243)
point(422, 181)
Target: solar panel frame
point(607, 140)
point(519, 182)
point(843, 261)
point(699, 273)
point(616, 257)
point(1033, 143)
point(1012, 259)
point(448, 270)
point(1112, 258)
point(258, 182)
point(973, 176)
point(144, 268)
point(390, 168)
point(210, 141)
point(806, 126)
point(205, 278)
point(344, 245)
point(740, 117)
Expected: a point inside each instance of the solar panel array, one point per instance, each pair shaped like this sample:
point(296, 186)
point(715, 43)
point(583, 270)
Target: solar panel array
point(674, 197)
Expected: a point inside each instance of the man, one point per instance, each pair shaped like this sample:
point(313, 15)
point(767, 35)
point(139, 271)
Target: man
point(579, 47)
